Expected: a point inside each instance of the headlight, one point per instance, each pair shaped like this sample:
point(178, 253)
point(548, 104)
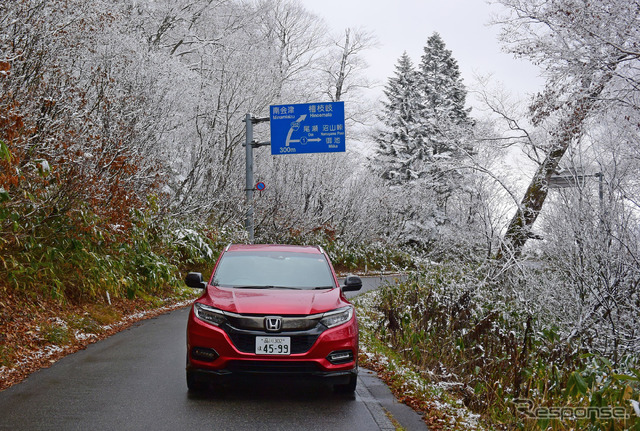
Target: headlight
point(209, 314)
point(337, 317)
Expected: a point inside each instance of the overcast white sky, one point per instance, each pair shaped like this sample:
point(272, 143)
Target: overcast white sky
point(405, 25)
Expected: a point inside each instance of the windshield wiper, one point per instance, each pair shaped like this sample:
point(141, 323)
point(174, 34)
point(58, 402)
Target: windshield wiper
point(323, 287)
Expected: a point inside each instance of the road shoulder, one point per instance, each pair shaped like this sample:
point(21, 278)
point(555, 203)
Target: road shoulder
point(378, 398)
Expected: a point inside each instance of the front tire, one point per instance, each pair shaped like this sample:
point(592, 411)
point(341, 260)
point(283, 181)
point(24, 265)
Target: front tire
point(348, 388)
point(193, 384)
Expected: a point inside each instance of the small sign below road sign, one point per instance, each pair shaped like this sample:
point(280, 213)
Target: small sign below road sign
point(307, 128)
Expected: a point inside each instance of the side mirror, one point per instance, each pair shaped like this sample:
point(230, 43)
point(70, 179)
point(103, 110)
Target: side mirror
point(194, 279)
point(352, 283)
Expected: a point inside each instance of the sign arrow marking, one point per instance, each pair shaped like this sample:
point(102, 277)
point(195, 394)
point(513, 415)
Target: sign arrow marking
point(298, 121)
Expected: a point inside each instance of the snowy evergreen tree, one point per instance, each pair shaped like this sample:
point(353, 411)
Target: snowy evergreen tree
point(443, 121)
point(424, 139)
point(443, 116)
point(425, 119)
point(397, 141)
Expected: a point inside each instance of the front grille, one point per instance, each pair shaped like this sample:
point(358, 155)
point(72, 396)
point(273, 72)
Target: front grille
point(246, 341)
point(289, 323)
point(288, 367)
point(303, 331)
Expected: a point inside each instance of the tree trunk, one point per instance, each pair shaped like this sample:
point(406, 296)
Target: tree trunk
point(569, 129)
point(519, 230)
point(343, 66)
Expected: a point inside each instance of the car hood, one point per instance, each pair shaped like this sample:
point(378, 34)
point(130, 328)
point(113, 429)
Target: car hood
point(274, 301)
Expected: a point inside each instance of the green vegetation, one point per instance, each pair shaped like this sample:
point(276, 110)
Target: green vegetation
point(83, 262)
point(80, 256)
point(461, 336)
point(56, 333)
point(7, 355)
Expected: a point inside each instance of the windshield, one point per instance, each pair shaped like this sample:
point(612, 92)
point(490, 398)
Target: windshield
point(271, 269)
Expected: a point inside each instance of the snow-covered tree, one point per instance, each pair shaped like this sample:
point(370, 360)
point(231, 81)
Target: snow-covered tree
point(292, 41)
point(89, 96)
point(590, 54)
point(343, 67)
point(588, 115)
point(342, 71)
point(444, 116)
point(398, 138)
point(424, 139)
point(444, 121)
point(426, 118)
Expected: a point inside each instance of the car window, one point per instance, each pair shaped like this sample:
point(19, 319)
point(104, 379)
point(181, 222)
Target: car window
point(273, 269)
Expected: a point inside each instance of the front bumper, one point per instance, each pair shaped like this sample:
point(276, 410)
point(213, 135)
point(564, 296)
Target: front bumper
point(277, 371)
point(236, 359)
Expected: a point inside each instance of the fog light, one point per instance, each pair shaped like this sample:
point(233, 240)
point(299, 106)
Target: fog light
point(204, 354)
point(340, 357)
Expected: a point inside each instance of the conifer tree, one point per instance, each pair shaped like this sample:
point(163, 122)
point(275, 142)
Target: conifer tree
point(424, 139)
point(443, 116)
point(425, 118)
point(443, 121)
point(396, 142)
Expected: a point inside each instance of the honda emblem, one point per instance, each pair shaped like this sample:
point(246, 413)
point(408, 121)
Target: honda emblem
point(273, 323)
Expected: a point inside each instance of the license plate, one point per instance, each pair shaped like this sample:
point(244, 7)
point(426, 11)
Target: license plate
point(273, 345)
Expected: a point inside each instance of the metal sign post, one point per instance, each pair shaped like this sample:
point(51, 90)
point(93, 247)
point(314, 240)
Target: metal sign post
point(249, 184)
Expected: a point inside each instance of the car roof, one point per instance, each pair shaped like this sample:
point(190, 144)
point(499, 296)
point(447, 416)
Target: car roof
point(275, 248)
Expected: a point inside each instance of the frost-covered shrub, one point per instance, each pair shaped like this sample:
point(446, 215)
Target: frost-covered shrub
point(491, 344)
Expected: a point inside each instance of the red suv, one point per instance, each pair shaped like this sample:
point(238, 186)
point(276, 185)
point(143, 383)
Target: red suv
point(272, 310)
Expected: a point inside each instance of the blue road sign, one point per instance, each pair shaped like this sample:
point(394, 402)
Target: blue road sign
point(307, 128)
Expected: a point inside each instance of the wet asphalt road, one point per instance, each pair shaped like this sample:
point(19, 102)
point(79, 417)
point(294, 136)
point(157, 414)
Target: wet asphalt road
point(135, 380)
